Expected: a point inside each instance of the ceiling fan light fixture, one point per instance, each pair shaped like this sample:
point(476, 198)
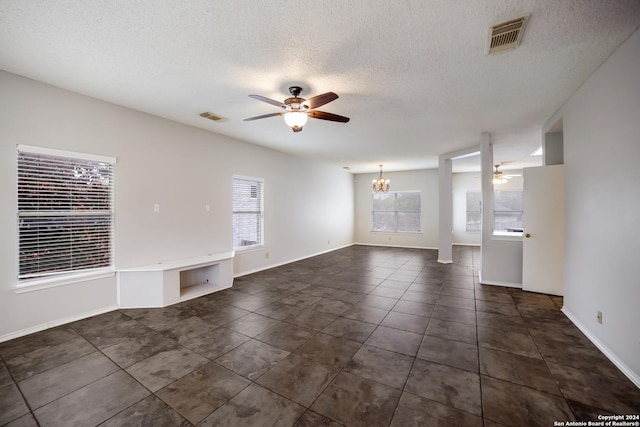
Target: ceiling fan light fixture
point(381, 185)
point(295, 119)
point(498, 178)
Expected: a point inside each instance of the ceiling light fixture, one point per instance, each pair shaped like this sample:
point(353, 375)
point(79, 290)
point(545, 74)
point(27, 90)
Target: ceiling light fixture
point(295, 119)
point(381, 184)
point(498, 178)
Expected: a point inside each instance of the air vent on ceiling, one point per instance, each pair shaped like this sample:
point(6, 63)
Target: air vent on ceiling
point(211, 116)
point(506, 36)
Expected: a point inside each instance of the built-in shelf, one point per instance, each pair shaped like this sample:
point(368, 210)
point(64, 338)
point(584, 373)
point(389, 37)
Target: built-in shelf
point(166, 283)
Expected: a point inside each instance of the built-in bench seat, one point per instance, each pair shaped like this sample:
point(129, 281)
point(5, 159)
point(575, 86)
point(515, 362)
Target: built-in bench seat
point(166, 283)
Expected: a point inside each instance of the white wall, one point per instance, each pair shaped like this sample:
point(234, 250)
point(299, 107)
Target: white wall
point(602, 201)
point(426, 181)
point(179, 167)
point(463, 183)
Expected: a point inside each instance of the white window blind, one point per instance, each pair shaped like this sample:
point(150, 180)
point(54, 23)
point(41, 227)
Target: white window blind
point(65, 212)
point(248, 212)
point(397, 212)
point(474, 210)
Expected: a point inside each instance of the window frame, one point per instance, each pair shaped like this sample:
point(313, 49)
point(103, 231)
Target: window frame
point(497, 231)
point(255, 193)
point(45, 279)
point(396, 211)
point(467, 210)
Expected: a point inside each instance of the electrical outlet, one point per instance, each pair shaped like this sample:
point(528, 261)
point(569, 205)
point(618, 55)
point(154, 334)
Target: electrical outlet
point(266, 255)
point(599, 317)
point(156, 207)
point(207, 208)
point(389, 237)
point(328, 242)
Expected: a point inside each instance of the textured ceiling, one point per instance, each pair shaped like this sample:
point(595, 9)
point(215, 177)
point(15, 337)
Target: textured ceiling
point(412, 75)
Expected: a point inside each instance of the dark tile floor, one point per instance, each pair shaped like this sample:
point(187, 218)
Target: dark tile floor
point(362, 336)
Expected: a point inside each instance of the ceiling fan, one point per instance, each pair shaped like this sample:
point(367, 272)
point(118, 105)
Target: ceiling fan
point(296, 110)
point(500, 178)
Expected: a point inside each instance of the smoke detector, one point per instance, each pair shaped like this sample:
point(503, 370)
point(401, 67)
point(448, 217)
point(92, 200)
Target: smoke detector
point(506, 35)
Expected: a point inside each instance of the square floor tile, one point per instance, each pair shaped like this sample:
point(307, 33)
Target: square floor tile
point(278, 310)
point(332, 306)
point(298, 378)
point(252, 359)
point(453, 314)
point(252, 324)
point(416, 308)
point(416, 411)
point(350, 329)
point(255, 407)
point(47, 386)
point(196, 395)
point(453, 331)
point(312, 319)
point(45, 358)
point(383, 366)
point(12, 405)
point(451, 386)
point(313, 419)
point(513, 404)
point(523, 370)
point(93, 403)
point(216, 342)
point(148, 412)
point(508, 341)
point(132, 350)
point(188, 328)
point(329, 350)
point(365, 313)
point(617, 396)
point(395, 340)
point(448, 352)
point(355, 401)
point(286, 336)
point(406, 322)
point(165, 367)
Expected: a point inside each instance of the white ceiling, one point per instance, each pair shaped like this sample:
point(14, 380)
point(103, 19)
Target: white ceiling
point(412, 75)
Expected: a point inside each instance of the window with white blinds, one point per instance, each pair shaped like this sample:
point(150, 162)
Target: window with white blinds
point(65, 212)
point(397, 212)
point(248, 212)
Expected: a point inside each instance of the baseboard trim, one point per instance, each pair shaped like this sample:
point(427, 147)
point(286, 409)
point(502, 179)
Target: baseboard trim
point(626, 370)
point(59, 322)
point(496, 283)
point(280, 264)
point(394, 246)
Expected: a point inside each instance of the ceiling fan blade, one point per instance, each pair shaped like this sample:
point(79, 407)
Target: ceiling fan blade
point(268, 101)
point(264, 116)
point(327, 116)
point(320, 100)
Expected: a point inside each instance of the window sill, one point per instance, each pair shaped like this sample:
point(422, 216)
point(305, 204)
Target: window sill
point(515, 236)
point(63, 280)
point(247, 249)
point(404, 233)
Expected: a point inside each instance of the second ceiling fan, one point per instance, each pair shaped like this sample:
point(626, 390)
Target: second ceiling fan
point(296, 110)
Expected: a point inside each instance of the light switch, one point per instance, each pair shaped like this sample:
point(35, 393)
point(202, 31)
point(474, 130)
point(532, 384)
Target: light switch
point(207, 208)
point(156, 207)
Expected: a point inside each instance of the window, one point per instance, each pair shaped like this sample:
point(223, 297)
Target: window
point(248, 212)
point(396, 212)
point(474, 210)
point(508, 210)
point(65, 212)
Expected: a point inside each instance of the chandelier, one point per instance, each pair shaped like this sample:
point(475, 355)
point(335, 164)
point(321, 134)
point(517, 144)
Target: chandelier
point(381, 184)
point(498, 178)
